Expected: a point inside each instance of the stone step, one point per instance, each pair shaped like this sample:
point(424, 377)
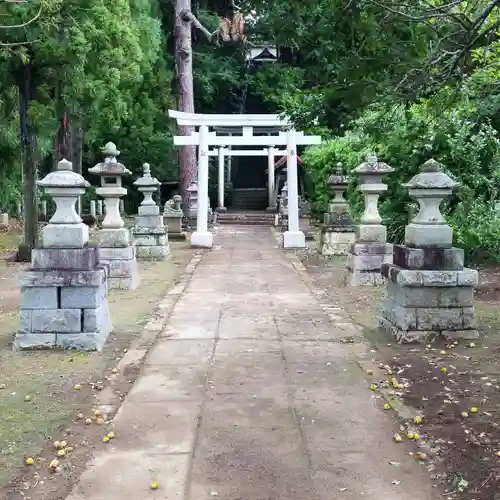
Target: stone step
point(249, 199)
point(261, 219)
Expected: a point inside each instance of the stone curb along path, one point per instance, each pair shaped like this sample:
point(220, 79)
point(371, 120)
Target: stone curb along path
point(108, 401)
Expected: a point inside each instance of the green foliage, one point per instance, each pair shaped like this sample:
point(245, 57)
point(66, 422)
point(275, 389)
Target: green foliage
point(405, 138)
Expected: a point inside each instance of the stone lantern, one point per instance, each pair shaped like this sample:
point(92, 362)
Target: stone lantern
point(370, 249)
point(371, 172)
point(65, 229)
point(338, 232)
point(429, 292)
point(64, 291)
point(111, 173)
point(114, 237)
point(428, 228)
point(150, 236)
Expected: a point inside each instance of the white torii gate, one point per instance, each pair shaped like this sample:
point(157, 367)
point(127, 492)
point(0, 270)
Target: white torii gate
point(202, 237)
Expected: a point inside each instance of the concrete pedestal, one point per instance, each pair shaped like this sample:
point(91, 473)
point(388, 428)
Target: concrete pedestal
point(151, 243)
point(202, 239)
point(64, 300)
point(429, 293)
point(366, 256)
point(294, 239)
point(336, 241)
point(117, 251)
point(174, 227)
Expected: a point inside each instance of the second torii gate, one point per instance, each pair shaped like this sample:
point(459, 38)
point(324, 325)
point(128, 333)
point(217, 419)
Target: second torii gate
point(204, 138)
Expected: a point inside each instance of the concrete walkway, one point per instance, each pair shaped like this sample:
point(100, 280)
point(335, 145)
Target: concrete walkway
point(249, 394)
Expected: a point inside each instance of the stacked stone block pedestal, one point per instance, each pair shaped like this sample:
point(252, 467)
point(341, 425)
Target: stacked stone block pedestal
point(338, 231)
point(150, 235)
point(114, 239)
point(429, 292)
point(64, 292)
point(370, 250)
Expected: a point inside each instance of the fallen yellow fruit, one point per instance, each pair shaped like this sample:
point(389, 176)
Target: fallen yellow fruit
point(421, 456)
point(61, 453)
point(498, 453)
point(27, 398)
point(444, 370)
point(369, 372)
point(442, 353)
point(418, 419)
point(88, 421)
point(416, 435)
point(410, 435)
point(97, 413)
point(387, 406)
point(373, 387)
point(398, 438)
point(114, 370)
point(473, 409)
point(56, 444)
point(29, 461)
point(394, 383)
point(100, 421)
point(464, 414)
point(105, 439)
point(54, 464)
point(111, 435)
point(154, 485)
point(63, 444)
point(77, 387)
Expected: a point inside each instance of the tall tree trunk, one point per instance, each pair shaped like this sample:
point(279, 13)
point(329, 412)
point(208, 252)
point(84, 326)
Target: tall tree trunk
point(185, 95)
point(29, 165)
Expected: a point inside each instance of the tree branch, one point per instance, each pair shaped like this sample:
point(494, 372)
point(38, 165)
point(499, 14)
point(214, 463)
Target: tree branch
point(24, 24)
point(188, 16)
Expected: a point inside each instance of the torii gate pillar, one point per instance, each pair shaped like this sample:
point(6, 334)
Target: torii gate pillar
point(202, 237)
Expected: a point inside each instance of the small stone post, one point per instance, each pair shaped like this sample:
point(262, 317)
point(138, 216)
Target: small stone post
point(100, 211)
point(370, 250)
point(93, 210)
point(172, 218)
point(150, 235)
point(429, 292)
point(64, 292)
point(114, 238)
point(338, 231)
point(193, 200)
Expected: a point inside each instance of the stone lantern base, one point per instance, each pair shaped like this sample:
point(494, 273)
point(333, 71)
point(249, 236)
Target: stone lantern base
point(116, 251)
point(151, 243)
point(367, 255)
point(336, 240)
point(429, 293)
point(64, 300)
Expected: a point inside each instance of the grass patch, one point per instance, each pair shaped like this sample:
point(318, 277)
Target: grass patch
point(48, 378)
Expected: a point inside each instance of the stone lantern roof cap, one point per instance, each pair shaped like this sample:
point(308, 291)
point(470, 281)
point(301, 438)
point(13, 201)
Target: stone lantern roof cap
point(338, 178)
point(431, 176)
point(63, 177)
point(110, 166)
point(372, 165)
point(147, 180)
